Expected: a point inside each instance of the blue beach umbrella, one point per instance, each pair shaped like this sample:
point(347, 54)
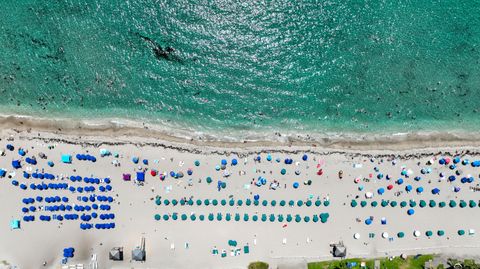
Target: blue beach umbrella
point(295, 185)
point(305, 157)
point(408, 188)
point(420, 189)
point(224, 162)
point(410, 211)
point(380, 191)
point(400, 181)
point(368, 221)
point(234, 162)
point(435, 191)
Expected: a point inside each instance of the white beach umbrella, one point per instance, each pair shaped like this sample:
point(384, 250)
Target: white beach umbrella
point(356, 236)
point(385, 235)
point(409, 172)
point(368, 195)
point(416, 233)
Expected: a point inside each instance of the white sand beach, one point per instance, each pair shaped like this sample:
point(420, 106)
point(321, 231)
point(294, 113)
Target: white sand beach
point(189, 243)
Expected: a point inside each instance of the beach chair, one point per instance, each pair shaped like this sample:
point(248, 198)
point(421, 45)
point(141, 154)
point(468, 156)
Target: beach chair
point(246, 249)
point(224, 253)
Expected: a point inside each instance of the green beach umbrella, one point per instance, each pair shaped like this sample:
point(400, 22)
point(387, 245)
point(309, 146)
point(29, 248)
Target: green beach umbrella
point(273, 203)
point(174, 202)
point(264, 217)
point(228, 217)
point(363, 203)
point(264, 202)
point(306, 219)
point(201, 217)
point(282, 203)
point(423, 203)
point(245, 217)
point(432, 203)
point(326, 203)
point(190, 202)
point(315, 218)
point(237, 217)
point(211, 217)
point(209, 180)
point(374, 204)
point(199, 202)
point(166, 202)
point(401, 234)
point(442, 204)
point(452, 203)
point(157, 217)
point(256, 202)
point(197, 163)
point(255, 218)
point(206, 202)
point(280, 218)
point(158, 201)
point(182, 202)
point(440, 233)
point(463, 204)
point(174, 216)
point(289, 218)
point(429, 233)
point(413, 203)
point(240, 202)
point(393, 204)
point(461, 232)
point(384, 203)
point(291, 203)
point(231, 202)
point(224, 185)
point(165, 217)
point(298, 218)
point(215, 202)
point(472, 203)
point(223, 202)
point(283, 171)
point(248, 202)
point(299, 203)
point(272, 217)
point(193, 217)
point(324, 217)
point(308, 203)
point(353, 203)
point(403, 204)
point(219, 216)
point(318, 203)
point(184, 217)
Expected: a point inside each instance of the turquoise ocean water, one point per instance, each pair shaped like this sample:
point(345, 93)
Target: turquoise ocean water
point(254, 66)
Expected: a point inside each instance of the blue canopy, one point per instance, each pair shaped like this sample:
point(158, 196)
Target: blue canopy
point(234, 162)
point(436, 191)
point(411, 211)
point(476, 164)
point(135, 160)
point(21, 152)
point(269, 157)
point(451, 178)
point(368, 221)
point(145, 161)
point(420, 189)
point(140, 176)
point(408, 188)
point(400, 181)
point(304, 157)
point(380, 191)
point(224, 162)
point(16, 164)
point(295, 185)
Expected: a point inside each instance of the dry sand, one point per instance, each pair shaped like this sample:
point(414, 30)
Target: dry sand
point(38, 242)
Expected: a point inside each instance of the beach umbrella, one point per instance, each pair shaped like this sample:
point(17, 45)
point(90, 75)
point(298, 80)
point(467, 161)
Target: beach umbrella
point(400, 234)
point(419, 189)
point(199, 202)
point(393, 203)
point(463, 204)
point(461, 232)
point(440, 233)
point(165, 217)
point(201, 217)
point(452, 203)
point(256, 197)
point(193, 217)
point(408, 188)
point(472, 203)
point(436, 191)
point(384, 203)
point(363, 203)
point(324, 217)
point(272, 218)
point(380, 191)
point(273, 203)
point(264, 202)
point(211, 217)
point(231, 202)
point(174, 216)
point(239, 202)
point(255, 218)
point(315, 218)
point(282, 203)
point(298, 218)
point(166, 202)
point(410, 211)
point(356, 236)
point(456, 189)
point(442, 204)
point(353, 203)
point(385, 235)
point(374, 204)
point(256, 202)
point(174, 202)
point(264, 217)
point(215, 202)
point(283, 171)
point(306, 219)
point(206, 202)
point(197, 163)
point(368, 195)
point(228, 217)
point(432, 203)
point(295, 185)
point(429, 233)
point(157, 217)
point(416, 233)
point(308, 203)
point(291, 203)
point(318, 203)
point(423, 203)
point(326, 203)
point(465, 162)
point(245, 217)
point(248, 202)
point(368, 221)
point(299, 203)
point(390, 187)
point(234, 162)
point(289, 218)
point(219, 216)
point(413, 203)
point(400, 181)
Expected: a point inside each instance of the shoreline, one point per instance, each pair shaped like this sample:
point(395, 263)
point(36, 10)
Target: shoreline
point(150, 134)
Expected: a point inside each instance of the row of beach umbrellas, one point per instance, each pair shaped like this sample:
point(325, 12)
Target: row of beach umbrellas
point(247, 202)
point(323, 217)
